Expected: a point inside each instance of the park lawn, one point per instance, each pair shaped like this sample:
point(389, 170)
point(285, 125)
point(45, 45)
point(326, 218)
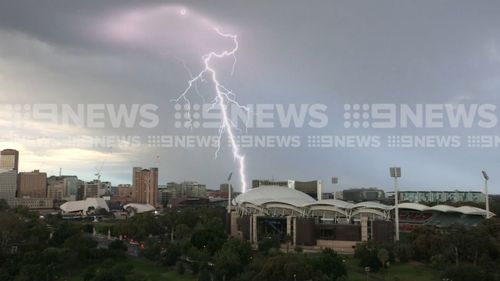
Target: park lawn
point(156, 273)
point(405, 272)
point(150, 270)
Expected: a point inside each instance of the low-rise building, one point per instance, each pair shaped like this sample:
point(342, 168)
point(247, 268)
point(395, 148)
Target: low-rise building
point(454, 196)
point(31, 203)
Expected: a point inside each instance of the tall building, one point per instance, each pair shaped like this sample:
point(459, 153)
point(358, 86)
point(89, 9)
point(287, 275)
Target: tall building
point(311, 188)
point(145, 182)
point(91, 189)
point(188, 189)
point(63, 187)
point(363, 194)
point(9, 159)
point(259, 183)
point(32, 185)
point(55, 188)
point(8, 184)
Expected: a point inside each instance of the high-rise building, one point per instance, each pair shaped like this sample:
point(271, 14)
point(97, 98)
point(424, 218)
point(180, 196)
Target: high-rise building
point(8, 184)
point(32, 185)
point(9, 159)
point(363, 194)
point(311, 188)
point(259, 183)
point(145, 182)
point(55, 188)
point(90, 189)
point(187, 189)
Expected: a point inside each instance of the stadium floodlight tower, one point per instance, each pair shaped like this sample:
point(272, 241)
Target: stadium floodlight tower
point(335, 182)
point(229, 192)
point(486, 179)
point(396, 173)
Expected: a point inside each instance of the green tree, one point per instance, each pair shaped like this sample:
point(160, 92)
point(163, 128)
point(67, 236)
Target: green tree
point(179, 267)
point(330, 263)
point(118, 248)
point(227, 264)
point(210, 236)
point(171, 254)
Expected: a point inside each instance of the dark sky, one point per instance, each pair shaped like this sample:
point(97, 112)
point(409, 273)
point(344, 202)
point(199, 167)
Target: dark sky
point(290, 52)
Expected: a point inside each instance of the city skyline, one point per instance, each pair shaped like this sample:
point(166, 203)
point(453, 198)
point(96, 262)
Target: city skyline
point(332, 54)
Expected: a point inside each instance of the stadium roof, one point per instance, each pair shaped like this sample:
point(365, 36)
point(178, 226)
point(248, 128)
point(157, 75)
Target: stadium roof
point(332, 202)
point(466, 210)
point(274, 194)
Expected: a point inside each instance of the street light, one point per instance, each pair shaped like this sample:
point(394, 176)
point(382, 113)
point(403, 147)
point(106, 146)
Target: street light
point(335, 181)
point(396, 173)
point(486, 179)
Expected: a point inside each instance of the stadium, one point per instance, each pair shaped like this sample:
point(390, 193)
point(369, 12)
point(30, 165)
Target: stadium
point(315, 224)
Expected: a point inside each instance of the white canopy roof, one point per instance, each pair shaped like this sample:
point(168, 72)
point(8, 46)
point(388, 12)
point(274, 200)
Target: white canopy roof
point(274, 194)
point(140, 208)
point(466, 210)
point(84, 205)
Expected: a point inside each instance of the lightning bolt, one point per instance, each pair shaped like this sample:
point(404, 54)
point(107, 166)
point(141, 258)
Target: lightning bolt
point(223, 98)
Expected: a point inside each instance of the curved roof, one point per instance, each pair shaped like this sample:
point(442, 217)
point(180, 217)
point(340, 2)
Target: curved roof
point(413, 206)
point(84, 205)
point(466, 210)
point(332, 202)
point(443, 208)
point(141, 208)
point(274, 194)
point(373, 205)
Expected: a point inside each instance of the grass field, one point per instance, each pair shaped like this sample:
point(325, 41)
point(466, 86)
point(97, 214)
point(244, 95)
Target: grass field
point(403, 272)
point(150, 270)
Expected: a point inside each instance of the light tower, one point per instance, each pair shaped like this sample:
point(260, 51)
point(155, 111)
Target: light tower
point(229, 192)
point(335, 182)
point(396, 173)
point(486, 179)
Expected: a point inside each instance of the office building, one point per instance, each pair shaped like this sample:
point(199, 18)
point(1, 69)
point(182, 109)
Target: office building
point(9, 159)
point(31, 203)
point(259, 183)
point(32, 185)
point(454, 196)
point(8, 184)
point(363, 194)
point(187, 189)
point(145, 182)
point(311, 188)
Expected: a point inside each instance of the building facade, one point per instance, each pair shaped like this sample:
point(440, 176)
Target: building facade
point(9, 159)
point(8, 184)
point(259, 183)
point(31, 203)
point(363, 194)
point(442, 196)
point(32, 185)
point(145, 182)
point(311, 188)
